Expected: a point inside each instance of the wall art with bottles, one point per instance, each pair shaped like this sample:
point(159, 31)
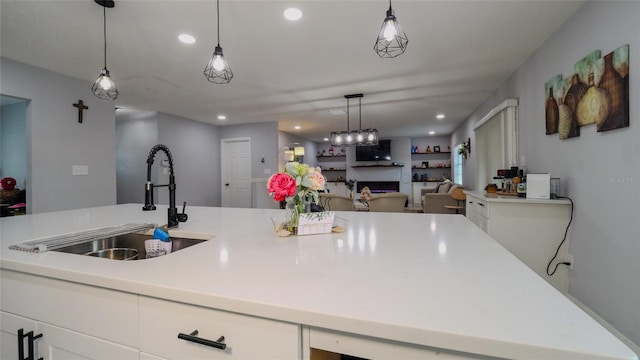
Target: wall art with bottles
point(596, 93)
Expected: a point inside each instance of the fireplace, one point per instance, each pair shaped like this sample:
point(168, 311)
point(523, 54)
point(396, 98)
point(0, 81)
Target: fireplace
point(377, 187)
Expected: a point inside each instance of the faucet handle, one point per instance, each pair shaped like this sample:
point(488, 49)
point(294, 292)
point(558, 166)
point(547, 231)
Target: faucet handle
point(182, 217)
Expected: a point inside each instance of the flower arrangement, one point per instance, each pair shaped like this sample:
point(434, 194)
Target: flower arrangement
point(298, 184)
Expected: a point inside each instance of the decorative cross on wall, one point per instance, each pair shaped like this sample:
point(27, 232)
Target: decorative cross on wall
point(81, 106)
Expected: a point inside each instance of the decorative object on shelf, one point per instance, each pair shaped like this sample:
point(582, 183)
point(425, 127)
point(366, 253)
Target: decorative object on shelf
point(104, 87)
point(218, 70)
point(425, 164)
point(298, 185)
point(465, 149)
point(436, 149)
point(361, 137)
point(597, 92)
point(391, 41)
point(428, 148)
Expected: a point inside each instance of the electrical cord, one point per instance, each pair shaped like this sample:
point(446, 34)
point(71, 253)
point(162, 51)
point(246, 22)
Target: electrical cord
point(562, 242)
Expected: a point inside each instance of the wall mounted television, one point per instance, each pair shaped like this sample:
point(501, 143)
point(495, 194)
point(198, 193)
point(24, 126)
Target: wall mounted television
point(382, 151)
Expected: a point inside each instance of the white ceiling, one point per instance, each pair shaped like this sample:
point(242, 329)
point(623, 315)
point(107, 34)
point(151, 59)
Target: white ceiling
point(459, 52)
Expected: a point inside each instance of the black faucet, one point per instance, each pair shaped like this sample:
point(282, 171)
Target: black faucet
point(173, 216)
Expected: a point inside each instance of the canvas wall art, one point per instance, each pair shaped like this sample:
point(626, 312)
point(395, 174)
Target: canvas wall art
point(596, 93)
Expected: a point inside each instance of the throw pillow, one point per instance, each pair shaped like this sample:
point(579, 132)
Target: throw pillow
point(444, 188)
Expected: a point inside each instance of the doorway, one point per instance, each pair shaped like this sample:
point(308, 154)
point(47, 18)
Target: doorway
point(235, 163)
point(13, 155)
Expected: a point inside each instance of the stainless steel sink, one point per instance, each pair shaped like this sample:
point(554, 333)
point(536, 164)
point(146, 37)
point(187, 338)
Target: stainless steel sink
point(127, 241)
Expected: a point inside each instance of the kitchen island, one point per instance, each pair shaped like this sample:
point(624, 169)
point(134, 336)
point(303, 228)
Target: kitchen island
point(413, 284)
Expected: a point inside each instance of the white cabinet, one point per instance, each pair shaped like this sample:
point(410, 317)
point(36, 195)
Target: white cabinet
point(104, 322)
point(62, 344)
point(51, 342)
point(530, 229)
point(374, 348)
point(245, 337)
point(9, 326)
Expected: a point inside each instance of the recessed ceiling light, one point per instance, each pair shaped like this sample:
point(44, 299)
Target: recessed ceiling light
point(222, 117)
point(431, 132)
point(297, 127)
point(186, 38)
point(326, 139)
point(292, 14)
point(440, 116)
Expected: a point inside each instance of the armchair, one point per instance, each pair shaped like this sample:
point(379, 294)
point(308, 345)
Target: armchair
point(388, 202)
point(334, 202)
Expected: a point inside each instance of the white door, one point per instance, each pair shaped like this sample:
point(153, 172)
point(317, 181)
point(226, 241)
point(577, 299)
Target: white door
point(236, 172)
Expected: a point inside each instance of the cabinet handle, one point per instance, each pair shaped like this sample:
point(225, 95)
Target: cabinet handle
point(218, 344)
point(481, 204)
point(470, 202)
point(30, 339)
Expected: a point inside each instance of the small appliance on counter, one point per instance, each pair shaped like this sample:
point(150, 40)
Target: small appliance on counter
point(538, 186)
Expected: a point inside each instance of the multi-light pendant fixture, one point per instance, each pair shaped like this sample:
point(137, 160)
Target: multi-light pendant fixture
point(104, 87)
point(360, 137)
point(391, 41)
point(218, 70)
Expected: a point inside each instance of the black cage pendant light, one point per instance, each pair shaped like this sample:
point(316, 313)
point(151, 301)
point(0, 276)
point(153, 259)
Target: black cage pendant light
point(391, 41)
point(104, 87)
point(360, 137)
point(217, 70)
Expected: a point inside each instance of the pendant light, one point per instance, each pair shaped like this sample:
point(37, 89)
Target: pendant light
point(360, 137)
point(391, 41)
point(218, 70)
point(104, 87)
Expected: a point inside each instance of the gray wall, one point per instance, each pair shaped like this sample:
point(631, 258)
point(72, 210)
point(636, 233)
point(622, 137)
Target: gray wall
point(599, 171)
point(136, 134)
point(194, 147)
point(264, 143)
point(13, 143)
point(56, 141)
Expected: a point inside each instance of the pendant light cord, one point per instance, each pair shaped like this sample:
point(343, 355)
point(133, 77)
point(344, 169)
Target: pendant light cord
point(347, 114)
point(218, 14)
point(360, 110)
point(104, 32)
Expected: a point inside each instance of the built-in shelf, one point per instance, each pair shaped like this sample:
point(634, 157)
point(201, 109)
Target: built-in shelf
point(331, 156)
point(424, 181)
point(431, 153)
point(433, 167)
point(376, 166)
point(325, 170)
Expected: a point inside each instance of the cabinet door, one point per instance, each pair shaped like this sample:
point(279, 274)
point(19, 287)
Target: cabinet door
point(145, 356)
point(246, 337)
point(9, 326)
point(62, 344)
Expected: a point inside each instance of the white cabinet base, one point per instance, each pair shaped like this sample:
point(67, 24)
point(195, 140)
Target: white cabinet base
point(530, 229)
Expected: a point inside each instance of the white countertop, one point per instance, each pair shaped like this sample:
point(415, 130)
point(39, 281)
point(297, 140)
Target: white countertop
point(428, 279)
point(514, 199)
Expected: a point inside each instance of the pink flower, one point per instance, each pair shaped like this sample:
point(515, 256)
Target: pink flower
point(281, 185)
point(317, 180)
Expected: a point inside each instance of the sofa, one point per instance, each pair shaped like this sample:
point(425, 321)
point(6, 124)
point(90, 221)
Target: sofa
point(434, 200)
